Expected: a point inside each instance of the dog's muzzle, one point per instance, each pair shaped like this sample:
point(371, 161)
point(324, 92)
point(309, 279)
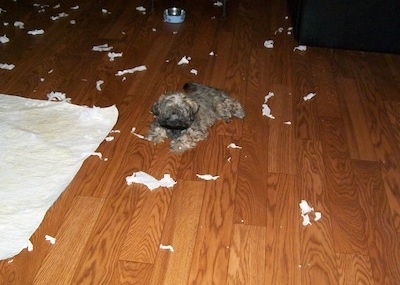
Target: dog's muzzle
point(174, 125)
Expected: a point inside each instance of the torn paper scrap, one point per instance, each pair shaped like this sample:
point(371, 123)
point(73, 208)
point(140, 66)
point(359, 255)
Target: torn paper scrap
point(211, 53)
point(318, 216)
point(233, 145)
point(279, 30)
point(149, 181)
point(133, 131)
point(309, 96)
point(184, 60)
point(29, 246)
point(269, 43)
point(19, 25)
point(58, 96)
point(167, 247)
point(105, 11)
point(109, 139)
point(60, 15)
point(113, 55)
point(306, 220)
point(218, 4)
point(266, 111)
point(207, 176)
point(141, 9)
point(103, 47)
point(98, 84)
point(4, 39)
point(300, 48)
point(131, 70)
point(36, 32)
point(75, 7)
point(287, 123)
point(193, 71)
point(305, 208)
point(51, 239)
point(7, 66)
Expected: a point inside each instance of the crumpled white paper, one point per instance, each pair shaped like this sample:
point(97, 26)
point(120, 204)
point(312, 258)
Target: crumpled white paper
point(167, 247)
point(300, 48)
point(266, 111)
point(309, 96)
point(58, 96)
point(184, 60)
point(40, 152)
point(4, 39)
point(131, 70)
point(113, 55)
point(7, 66)
point(306, 209)
point(36, 32)
point(207, 176)
point(233, 145)
point(149, 181)
point(269, 43)
point(103, 47)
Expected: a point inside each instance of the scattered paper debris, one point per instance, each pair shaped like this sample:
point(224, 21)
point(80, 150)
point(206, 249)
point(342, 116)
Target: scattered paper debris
point(36, 32)
point(207, 176)
point(4, 39)
point(105, 11)
point(136, 134)
point(7, 66)
point(113, 55)
point(309, 96)
point(149, 181)
point(60, 15)
point(167, 247)
point(72, 22)
point(211, 53)
point(98, 84)
point(287, 123)
point(51, 239)
point(218, 4)
point(279, 30)
point(193, 71)
point(75, 7)
point(269, 43)
point(266, 111)
point(233, 145)
point(109, 139)
point(306, 209)
point(300, 48)
point(103, 47)
point(131, 70)
point(184, 60)
point(141, 9)
point(19, 25)
point(99, 154)
point(29, 246)
point(58, 96)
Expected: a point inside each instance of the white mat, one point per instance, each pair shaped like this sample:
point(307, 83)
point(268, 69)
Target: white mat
point(42, 146)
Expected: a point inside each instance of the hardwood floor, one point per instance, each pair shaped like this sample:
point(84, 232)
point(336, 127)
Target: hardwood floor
point(341, 151)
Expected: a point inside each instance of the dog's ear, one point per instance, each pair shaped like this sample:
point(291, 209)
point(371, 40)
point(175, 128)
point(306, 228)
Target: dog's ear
point(194, 107)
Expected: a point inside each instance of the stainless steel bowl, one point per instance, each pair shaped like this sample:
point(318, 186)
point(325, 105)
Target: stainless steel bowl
point(174, 15)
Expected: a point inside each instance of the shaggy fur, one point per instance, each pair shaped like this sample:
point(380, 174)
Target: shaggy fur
point(184, 117)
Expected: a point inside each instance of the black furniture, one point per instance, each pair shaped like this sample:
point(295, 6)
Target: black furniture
point(368, 25)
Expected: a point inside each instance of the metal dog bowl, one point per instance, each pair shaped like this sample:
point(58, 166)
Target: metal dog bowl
point(174, 15)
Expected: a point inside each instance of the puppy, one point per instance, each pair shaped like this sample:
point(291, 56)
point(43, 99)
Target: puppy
point(184, 117)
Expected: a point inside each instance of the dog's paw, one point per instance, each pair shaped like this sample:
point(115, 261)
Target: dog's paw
point(180, 146)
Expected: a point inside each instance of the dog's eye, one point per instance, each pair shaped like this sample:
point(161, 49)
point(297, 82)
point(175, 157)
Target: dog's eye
point(154, 109)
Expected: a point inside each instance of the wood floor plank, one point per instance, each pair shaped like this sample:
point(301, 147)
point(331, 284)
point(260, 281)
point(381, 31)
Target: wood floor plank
point(348, 218)
point(379, 222)
point(282, 256)
point(247, 258)
point(250, 201)
point(357, 132)
point(180, 230)
point(61, 262)
point(341, 153)
point(318, 256)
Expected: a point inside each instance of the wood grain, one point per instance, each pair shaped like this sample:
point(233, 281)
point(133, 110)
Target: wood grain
point(341, 152)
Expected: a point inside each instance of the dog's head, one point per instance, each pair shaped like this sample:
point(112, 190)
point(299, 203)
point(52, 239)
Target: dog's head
point(175, 112)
